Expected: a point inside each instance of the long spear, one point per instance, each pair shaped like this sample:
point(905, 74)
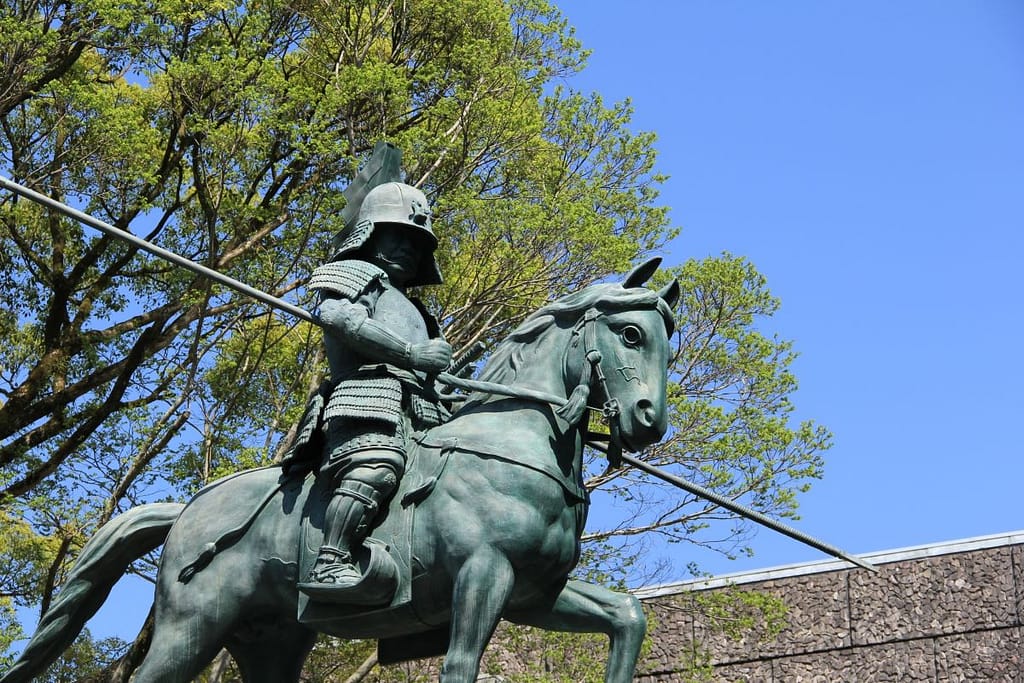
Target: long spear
point(160, 252)
point(745, 511)
point(305, 315)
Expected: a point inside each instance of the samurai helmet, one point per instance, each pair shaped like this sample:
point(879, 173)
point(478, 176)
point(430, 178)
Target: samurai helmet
point(394, 204)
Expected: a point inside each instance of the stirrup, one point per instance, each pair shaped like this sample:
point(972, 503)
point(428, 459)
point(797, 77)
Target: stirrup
point(333, 580)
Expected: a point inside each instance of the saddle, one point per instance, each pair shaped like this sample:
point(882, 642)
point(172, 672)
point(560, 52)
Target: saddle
point(386, 557)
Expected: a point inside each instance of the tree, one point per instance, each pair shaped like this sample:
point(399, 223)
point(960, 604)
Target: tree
point(225, 131)
point(730, 420)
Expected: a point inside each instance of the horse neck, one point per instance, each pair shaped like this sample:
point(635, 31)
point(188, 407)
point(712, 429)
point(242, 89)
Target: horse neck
point(541, 366)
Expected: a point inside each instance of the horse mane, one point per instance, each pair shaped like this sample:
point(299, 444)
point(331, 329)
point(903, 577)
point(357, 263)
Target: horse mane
point(507, 358)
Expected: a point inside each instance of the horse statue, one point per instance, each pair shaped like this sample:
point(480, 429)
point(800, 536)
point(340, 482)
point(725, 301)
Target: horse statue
point(486, 524)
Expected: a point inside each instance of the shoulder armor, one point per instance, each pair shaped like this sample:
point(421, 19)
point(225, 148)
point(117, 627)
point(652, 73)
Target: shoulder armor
point(349, 278)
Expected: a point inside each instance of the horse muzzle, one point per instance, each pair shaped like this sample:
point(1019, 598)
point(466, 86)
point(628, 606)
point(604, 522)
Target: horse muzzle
point(646, 425)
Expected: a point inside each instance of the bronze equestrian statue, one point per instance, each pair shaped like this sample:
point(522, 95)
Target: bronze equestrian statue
point(485, 525)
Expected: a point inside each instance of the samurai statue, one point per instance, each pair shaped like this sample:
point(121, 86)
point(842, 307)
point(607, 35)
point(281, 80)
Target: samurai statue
point(384, 350)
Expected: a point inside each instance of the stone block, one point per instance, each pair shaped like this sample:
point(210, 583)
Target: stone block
point(905, 662)
point(663, 677)
point(681, 672)
point(744, 672)
point(1017, 555)
point(817, 618)
point(670, 629)
point(990, 656)
point(933, 596)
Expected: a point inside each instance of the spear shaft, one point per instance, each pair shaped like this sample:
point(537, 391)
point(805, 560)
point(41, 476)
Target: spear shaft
point(196, 268)
point(305, 315)
point(746, 511)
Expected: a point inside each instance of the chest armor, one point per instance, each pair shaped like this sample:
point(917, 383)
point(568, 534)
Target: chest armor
point(391, 308)
point(365, 388)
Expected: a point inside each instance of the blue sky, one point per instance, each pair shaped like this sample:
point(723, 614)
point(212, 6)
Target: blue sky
point(868, 158)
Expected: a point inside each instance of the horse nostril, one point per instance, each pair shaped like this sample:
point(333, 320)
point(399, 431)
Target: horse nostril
point(644, 412)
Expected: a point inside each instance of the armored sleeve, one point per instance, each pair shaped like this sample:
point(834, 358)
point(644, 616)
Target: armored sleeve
point(350, 279)
point(347, 290)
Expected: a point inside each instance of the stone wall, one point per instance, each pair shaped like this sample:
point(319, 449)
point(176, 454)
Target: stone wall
point(940, 613)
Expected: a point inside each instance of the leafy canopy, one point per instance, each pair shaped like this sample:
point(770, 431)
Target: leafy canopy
point(225, 131)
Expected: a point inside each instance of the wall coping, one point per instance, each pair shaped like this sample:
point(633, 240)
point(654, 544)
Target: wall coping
point(821, 566)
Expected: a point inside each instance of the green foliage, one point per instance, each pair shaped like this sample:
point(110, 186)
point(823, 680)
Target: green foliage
point(84, 660)
point(731, 427)
point(334, 659)
point(548, 656)
point(530, 655)
point(225, 131)
point(730, 610)
point(10, 631)
point(253, 392)
point(22, 553)
point(737, 612)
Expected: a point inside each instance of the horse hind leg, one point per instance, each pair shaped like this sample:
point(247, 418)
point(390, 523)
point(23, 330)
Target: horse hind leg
point(585, 608)
point(189, 632)
point(191, 624)
point(276, 657)
point(171, 660)
point(180, 649)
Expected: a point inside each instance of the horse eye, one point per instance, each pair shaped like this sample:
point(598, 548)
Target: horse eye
point(632, 335)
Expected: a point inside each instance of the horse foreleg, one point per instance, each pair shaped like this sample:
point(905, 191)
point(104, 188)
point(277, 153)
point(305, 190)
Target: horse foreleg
point(585, 608)
point(482, 589)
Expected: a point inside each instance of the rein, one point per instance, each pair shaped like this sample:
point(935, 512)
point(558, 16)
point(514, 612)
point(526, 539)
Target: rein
point(570, 408)
point(500, 389)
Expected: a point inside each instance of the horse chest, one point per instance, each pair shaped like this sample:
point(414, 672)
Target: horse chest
point(558, 545)
point(536, 526)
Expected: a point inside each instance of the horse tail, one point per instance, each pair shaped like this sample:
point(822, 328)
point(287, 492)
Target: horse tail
point(103, 561)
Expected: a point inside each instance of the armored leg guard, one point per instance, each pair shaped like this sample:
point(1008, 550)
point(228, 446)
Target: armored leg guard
point(348, 518)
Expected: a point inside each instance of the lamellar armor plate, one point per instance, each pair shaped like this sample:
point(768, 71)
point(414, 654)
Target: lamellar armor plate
point(364, 388)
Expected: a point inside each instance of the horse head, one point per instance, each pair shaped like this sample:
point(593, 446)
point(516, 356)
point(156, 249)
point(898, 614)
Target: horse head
point(624, 336)
point(606, 344)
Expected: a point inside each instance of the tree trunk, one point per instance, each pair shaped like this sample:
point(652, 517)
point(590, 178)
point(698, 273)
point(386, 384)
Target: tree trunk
point(220, 666)
point(121, 669)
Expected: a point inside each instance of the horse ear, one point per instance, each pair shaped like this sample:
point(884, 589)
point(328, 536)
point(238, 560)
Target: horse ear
point(642, 273)
point(670, 293)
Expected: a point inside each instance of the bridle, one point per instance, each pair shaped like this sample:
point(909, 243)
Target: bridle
point(611, 409)
point(592, 358)
point(573, 408)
